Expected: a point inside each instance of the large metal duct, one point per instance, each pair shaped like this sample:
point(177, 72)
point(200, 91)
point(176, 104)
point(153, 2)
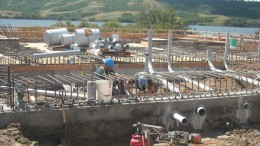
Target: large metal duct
point(84, 36)
point(53, 36)
point(67, 39)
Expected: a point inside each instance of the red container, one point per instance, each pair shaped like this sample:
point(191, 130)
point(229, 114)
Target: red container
point(139, 140)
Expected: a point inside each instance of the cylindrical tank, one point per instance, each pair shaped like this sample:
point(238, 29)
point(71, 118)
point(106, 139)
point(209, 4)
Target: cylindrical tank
point(139, 140)
point(84, 36)
point(67, 39)
point(53, 36)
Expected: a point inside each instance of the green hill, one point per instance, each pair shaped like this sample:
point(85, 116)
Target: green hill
point(203, 12)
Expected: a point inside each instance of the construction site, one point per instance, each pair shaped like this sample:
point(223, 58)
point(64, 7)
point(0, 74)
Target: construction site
point(208, 82)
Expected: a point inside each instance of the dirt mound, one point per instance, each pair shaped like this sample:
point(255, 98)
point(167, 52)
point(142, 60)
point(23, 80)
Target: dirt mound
point(12, 136)
point(237, 137)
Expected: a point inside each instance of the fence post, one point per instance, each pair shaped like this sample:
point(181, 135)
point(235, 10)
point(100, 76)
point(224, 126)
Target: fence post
point(259, 46)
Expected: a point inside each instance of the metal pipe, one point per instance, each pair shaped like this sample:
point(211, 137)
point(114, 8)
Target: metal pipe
point(55, 54)
point(227, 47)
point(183, 120)
point(200, 110)
point(171, 69)
point(245, 105)
point(149, 66)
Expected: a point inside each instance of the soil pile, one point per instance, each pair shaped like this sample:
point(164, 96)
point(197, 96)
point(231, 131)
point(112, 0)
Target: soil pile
point(12, 136)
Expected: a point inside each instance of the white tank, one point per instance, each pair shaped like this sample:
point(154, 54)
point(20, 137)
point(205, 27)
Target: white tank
point(84, 36)
point(53, 36)
point(67, 39)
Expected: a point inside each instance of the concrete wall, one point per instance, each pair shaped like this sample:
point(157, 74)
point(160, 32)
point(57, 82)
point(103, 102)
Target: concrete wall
point(113, 123)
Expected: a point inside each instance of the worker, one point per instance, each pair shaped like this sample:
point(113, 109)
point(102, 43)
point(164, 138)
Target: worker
point(144, 85)
point(107, 72)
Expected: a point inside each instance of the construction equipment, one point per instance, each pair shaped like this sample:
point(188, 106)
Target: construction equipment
point(147, 135)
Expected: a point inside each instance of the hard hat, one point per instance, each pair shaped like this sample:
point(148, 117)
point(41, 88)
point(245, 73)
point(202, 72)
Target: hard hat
point(118, 47)
point(142, 81)
point(109, 62)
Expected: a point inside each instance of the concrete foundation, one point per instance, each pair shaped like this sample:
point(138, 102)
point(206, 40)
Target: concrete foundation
point(112, 124)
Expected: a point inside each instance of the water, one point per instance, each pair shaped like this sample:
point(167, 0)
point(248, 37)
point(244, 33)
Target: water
point(46, 23)
point(241, 30)
point(41, 23)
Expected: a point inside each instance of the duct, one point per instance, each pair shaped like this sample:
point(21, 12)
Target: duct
point(149, 66)
point(227, 47)
point(67, 39)
point(171, 69)
point(84, 36)
point(55, 54)
point(183, 120)
point(232, 73)
point(200, 110)
point(53, 37)
point(50, 93)
point(53, 93)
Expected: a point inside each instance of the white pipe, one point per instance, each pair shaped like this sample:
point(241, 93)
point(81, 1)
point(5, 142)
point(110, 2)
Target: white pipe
point(49, 93)
point(171, 69)
point(227, 47)
point(245, 79)
point(52, 93)
point(149, 66)
point(183, 120)
point(201, 111)
point(55, 54)
point(245, 105)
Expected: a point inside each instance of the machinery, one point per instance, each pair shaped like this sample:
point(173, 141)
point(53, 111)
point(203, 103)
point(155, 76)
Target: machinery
point(147, 135)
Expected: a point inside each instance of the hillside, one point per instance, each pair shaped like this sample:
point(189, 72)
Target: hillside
point(204, 12)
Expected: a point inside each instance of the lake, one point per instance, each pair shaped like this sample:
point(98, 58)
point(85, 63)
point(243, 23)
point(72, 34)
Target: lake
point(46, 23)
